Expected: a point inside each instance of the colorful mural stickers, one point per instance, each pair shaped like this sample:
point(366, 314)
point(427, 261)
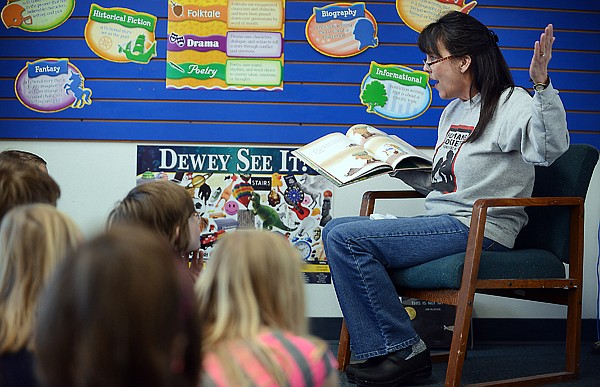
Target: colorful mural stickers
point(248, 187)
point(51, 85)
point(417, 14)
point(395, 92)
point(341, 30)
point(227, 45)
point(36, 15)
point(121, 35)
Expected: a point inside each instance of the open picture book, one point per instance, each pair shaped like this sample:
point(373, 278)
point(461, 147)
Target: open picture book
point(362, 152)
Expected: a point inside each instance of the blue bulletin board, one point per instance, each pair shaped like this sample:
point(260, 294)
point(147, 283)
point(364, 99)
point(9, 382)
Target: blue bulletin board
point(320, 94)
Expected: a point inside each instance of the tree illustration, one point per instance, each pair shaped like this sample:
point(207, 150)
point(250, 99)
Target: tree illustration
point(373, 95)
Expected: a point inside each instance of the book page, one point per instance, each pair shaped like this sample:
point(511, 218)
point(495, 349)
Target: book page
point(338, 156)
point(360, 133)
point(410, 149)
point(323, 150)
point(391, 149)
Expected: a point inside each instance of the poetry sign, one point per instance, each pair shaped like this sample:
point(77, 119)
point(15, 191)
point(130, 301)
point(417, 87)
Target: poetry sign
point(228, 45)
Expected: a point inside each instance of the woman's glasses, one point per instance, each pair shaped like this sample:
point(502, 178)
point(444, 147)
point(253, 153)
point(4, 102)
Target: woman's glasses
point(429, 64)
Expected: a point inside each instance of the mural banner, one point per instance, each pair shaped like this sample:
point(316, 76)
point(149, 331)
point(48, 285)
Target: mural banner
point(258, 187)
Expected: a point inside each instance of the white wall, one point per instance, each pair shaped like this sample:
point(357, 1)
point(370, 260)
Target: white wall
point(93, 176)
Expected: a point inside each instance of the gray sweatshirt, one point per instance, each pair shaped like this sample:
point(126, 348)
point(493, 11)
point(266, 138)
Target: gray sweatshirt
point(524, 132)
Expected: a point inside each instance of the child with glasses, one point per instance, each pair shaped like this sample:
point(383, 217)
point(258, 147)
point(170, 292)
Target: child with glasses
point(167, 209)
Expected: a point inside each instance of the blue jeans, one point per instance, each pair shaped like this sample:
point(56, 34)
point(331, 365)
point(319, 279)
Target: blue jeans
point(360, 250)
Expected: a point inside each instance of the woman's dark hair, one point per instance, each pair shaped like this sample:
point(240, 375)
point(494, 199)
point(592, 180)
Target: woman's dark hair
point(118, 312)
point(462, 34)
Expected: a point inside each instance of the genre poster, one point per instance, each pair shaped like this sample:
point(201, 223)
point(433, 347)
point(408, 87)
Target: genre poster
point(395, 92)
point(36, 15)
point(259, 187)
point(225, 44)
point(342, 29)
point(121, 35)
point(51, 85)
point(417, 14)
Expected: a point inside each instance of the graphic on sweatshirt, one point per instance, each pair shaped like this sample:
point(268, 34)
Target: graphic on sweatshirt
point(442, 175)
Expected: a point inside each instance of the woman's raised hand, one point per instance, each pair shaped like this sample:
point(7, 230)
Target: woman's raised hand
point(542, 53)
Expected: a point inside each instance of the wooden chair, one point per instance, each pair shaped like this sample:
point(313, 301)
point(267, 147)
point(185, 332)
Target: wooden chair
point(533, 270)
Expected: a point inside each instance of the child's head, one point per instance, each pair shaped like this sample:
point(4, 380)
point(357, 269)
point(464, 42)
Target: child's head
point(20, 157)
point(25, 185)
point(165, 208)
point(119, 313)
point(34, 238)
point(253, 280)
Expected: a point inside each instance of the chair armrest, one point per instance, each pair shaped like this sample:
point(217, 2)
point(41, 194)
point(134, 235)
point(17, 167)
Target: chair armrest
point(480, 207)
point(479, 216)
point(528, 202)
point(368, 200)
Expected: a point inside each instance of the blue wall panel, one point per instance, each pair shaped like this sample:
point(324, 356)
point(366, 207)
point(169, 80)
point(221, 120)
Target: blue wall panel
point(321, 94)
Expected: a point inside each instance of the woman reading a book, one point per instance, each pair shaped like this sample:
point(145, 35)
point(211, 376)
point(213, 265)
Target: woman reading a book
point(490, 137)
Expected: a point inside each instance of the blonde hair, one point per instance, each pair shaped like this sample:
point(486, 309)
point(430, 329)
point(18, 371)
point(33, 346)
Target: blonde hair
point(33, 239)
point(160, 205)
point(252, 282)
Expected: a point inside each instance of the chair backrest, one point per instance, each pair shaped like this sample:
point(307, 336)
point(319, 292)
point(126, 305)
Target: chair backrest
point(569, 175)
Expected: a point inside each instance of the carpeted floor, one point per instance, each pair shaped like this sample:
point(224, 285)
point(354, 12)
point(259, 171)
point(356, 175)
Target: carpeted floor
point(486, 362)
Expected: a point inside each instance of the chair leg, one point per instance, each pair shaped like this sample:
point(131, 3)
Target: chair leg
point(573, 340)
point(458, 348)
point(344, 347)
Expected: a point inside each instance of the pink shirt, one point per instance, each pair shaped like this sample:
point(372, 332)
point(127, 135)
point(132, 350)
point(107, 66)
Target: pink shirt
point(298, 356)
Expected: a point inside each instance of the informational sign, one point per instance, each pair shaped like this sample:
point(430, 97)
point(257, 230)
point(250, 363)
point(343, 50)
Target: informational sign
point(36, 15)
point(121, 35)
point(225, 44)
point(341, 30)
point(256, 187)
point(51, 85)
point(417, 14)
point(395, 92)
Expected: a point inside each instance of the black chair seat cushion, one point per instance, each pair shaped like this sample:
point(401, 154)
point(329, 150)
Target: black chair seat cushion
point(446, 272)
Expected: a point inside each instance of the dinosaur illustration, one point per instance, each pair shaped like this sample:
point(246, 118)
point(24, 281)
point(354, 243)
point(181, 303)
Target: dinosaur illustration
point(268, 215)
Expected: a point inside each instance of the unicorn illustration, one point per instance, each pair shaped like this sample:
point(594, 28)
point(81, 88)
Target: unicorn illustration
point(82, 95)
